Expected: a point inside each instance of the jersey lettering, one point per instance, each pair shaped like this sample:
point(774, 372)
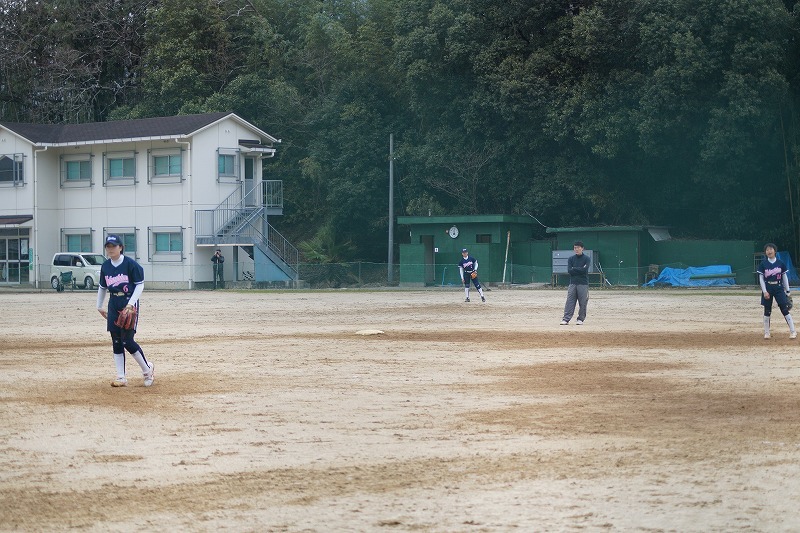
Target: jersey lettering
point(116, 280)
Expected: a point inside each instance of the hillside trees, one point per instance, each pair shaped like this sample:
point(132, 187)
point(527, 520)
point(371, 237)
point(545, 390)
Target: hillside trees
point(68, 60)
point(672, 112)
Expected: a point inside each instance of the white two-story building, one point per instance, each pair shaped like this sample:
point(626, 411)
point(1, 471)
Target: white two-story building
point(174, 189)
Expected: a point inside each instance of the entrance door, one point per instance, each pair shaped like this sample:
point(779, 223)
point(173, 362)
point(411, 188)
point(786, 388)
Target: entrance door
point(249, 175)
point(14, 259)
point(430, 261)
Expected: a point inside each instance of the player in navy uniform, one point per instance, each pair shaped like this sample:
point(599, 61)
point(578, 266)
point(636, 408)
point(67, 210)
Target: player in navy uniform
point(123, 279)
point(773, 277)
point(466, 267)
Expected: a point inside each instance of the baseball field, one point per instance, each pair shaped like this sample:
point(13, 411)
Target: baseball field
point(666, 411)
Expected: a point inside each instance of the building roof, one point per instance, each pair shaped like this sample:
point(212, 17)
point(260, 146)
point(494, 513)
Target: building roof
point(465, 219)
point(589, 229)
point(14, 220)
point(123, 130)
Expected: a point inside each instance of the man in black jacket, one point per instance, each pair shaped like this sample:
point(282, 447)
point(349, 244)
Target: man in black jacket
point(578, 291)
point(218, 259)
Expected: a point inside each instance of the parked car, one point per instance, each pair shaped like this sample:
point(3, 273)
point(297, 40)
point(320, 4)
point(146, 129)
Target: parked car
point(85, 268)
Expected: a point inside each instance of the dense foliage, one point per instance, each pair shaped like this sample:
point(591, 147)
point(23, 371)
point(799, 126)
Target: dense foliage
point(683, 113)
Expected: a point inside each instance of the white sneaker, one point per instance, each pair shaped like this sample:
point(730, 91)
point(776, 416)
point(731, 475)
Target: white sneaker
point(119, 382)
point(793, 335)
point(149, 377)
point(579, 322)
point(564, 322)
point(766, 335)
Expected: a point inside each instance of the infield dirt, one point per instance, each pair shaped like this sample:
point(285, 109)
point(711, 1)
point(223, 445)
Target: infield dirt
point(666, 411)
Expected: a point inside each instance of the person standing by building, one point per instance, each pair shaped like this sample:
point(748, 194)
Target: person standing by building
point(123, 279)
point(218, 259)
point(578, 290)
point(773, 276)
point(468, 267)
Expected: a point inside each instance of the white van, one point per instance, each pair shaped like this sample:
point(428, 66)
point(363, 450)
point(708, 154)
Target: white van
point(85, 268)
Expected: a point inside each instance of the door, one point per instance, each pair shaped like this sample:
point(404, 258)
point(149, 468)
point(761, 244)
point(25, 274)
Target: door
point(430, 261)
point(251, 198)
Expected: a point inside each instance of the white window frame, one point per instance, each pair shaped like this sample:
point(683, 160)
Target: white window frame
point(114, 181)
point(17, 170)
point(126, 234)
point(63, 165)
point(169, 256)
point(77, 232)
point(154, 154)
point(235, 175)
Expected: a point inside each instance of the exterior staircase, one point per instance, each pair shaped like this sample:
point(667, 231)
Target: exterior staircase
point(241, 220)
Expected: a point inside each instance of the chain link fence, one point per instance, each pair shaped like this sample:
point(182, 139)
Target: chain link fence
point(358, 274)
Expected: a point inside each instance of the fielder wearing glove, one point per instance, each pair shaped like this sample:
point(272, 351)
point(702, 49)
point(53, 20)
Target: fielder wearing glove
point(469, 266)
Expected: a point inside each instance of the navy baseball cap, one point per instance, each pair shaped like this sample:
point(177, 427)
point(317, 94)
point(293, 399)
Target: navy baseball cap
point(463, 250)
point(113, 239)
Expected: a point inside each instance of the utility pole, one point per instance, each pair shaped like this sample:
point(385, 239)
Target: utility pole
point(391, 208)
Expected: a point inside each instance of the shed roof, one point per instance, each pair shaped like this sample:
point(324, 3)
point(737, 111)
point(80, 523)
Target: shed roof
point(465, 219)
point(587, 229)
point(14, 220)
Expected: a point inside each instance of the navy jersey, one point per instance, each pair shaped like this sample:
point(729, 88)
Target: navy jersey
point(468, 264)
point(772, 272)
point(578, 269)
point(123, 278)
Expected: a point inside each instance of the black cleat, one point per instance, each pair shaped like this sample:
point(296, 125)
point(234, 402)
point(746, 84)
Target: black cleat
point(467, 299)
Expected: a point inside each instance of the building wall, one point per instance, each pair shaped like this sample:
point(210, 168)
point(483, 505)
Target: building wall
point(141, 205)
point(678, 253)
point(617, 252)
point(412, 264)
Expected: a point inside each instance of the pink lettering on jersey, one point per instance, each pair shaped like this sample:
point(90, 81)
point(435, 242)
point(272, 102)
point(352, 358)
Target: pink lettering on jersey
point(772, 271)
point(112, 281)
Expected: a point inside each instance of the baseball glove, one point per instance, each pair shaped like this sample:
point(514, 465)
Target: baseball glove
point(126, 318)
point(473, 275)
point(789, 303)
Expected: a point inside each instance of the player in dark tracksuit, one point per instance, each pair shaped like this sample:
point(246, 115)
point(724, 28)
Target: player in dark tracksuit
point(774, 280)
point(578, 290)
point(466, 267)
point(123, 279)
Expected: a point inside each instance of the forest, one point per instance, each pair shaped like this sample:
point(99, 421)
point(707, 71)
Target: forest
point(678, 113)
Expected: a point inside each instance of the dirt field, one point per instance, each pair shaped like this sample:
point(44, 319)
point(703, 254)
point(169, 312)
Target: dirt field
point(666, 411)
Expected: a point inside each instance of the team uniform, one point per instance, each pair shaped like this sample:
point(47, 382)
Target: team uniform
point(466, 267)
point(774, 280)
point(124, 281)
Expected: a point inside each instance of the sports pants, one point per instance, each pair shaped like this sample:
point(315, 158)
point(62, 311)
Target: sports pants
point(576, 294)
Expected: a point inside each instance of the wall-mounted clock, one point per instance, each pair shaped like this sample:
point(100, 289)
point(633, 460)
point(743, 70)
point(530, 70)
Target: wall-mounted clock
point(453, 232)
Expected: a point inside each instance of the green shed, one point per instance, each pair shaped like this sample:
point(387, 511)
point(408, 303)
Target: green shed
point(499, 242)
point(628, 255)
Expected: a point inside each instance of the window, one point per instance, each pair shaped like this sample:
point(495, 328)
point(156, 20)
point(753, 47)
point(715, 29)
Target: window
point(12, 170)
point(165, 243)
point(128, 236)
point(169, 242)
point(76, 170)
point(76, 240)
point(166, 166)
point(483, 238)
point(228, 164)
point(119, 168)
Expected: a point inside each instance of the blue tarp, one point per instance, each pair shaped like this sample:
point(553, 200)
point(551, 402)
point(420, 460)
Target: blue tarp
point(787, 260)
point(682, 277)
